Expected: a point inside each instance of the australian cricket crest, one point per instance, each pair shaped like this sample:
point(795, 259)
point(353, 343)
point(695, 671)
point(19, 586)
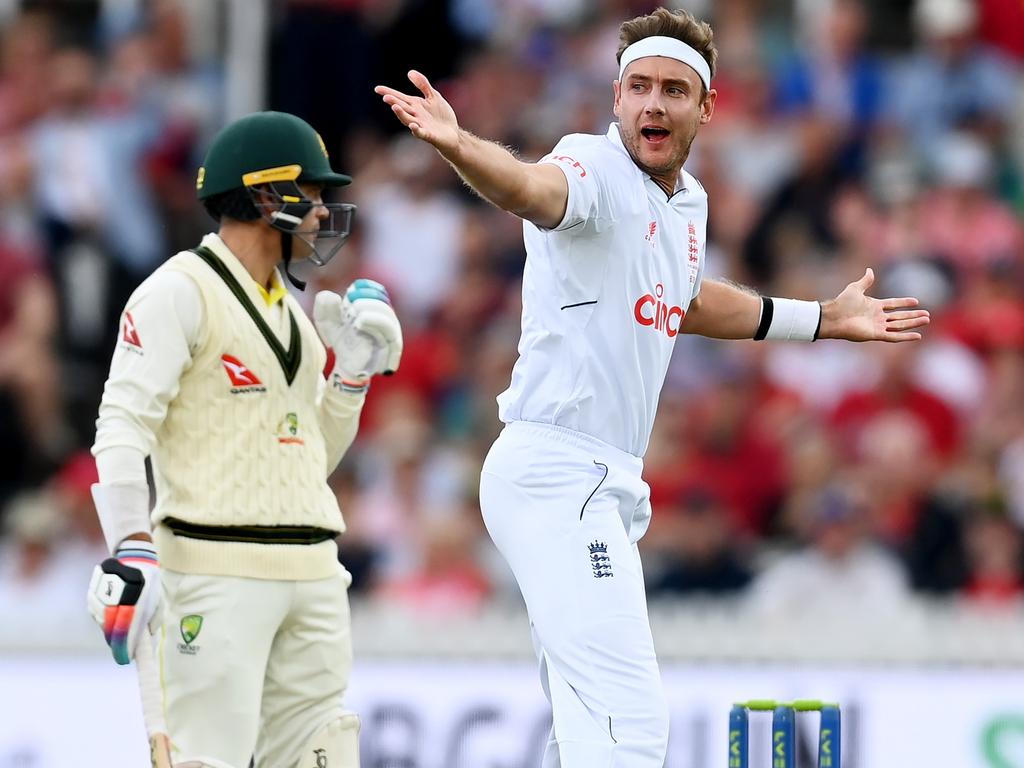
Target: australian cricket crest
point(190, 626)
point(288, 430)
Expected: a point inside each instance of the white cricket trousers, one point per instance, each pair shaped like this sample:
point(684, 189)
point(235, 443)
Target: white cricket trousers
point(566, 511)
point(266, 669)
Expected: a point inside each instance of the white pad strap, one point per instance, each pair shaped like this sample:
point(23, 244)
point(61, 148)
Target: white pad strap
point(788, 320)
point(123, 510)
point(671, 48)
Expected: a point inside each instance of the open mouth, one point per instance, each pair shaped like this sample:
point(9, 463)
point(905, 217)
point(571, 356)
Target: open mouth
point(654, 134)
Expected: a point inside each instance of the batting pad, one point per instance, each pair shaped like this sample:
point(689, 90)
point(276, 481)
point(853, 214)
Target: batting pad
point(335, 745)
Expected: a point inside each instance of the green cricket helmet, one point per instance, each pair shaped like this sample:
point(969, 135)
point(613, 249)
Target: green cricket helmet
point(268, 154)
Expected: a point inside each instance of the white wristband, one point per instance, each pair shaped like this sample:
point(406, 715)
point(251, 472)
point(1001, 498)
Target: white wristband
point(788, 320)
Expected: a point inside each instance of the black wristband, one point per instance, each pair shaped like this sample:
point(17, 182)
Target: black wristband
point(767, 310)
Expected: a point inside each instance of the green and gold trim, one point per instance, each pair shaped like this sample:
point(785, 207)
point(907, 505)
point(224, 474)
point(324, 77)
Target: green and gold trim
point(289, 359)
point(250, 534)
point(267, 175)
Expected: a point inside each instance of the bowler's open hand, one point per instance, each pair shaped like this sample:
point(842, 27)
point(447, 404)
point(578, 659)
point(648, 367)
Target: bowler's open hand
point(428, 117)
point(855, 316)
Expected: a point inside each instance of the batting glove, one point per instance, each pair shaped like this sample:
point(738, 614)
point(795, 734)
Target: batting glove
point(363, 331)
point(124, 595)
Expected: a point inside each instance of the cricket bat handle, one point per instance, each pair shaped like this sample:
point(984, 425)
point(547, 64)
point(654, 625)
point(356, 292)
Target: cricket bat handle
point(152, 703)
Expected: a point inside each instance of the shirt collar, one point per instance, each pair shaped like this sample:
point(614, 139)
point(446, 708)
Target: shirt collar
point(615, 137)
point(277, 290)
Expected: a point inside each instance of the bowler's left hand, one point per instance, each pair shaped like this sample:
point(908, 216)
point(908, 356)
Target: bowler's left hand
point(855, 316)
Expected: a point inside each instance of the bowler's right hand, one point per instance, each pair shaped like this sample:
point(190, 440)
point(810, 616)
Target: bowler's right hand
point(429, 117)
point(124, 596)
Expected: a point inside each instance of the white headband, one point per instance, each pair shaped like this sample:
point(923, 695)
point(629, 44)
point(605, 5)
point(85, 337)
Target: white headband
point(671, 48)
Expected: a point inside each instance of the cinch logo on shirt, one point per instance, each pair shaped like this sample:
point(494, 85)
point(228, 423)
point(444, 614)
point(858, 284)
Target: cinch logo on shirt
point(652, 311)
point(242, 379)
point(571, 161)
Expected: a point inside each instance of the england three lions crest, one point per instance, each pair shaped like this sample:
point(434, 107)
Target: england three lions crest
point(599, 560)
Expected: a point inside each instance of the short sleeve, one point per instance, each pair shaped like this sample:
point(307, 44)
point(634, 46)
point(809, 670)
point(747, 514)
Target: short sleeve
point(695, 292)
point(586, 175)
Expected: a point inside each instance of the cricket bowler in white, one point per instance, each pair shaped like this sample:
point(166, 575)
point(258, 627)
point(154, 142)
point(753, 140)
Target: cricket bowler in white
point(219, 377)
point(615, 234)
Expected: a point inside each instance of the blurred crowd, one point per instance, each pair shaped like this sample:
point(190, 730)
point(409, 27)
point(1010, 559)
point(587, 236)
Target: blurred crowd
point(847, 134)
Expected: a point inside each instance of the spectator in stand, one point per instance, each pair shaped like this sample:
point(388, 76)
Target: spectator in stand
point(694, 548)
point(796, 222)
point(26, 45)
point(897, 393)
point(34, 435)
point(953, 81)
point(449, 579)
point(749, 154)
point(840, 572)
point(988, 314)
point(727, 440)
point(1002, 420)
point(1002, 26)
point(85, 157)
point(963, 223)
point(938, 551)
point(995, 555)
point(412, 212)
point(1011, 459)
point(837, 78)
point(152, 72)
point(101, 232)
point(409, 484)
point(53, 538)
point(359, 556)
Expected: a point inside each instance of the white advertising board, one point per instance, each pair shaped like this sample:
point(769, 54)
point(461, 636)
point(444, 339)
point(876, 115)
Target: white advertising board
point(84, 713)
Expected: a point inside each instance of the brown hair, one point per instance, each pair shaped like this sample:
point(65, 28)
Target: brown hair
point(680, 24)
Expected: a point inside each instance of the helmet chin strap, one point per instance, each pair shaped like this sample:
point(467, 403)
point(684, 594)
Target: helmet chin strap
point(286, 256)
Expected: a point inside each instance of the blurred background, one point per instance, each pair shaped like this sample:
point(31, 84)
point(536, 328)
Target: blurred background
point(830, 520)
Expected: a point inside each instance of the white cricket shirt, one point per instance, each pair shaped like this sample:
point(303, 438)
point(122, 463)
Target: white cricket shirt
point(604, 294)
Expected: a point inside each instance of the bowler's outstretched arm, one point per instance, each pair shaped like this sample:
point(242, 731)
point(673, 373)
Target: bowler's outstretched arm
point(535, 192)
point(723, 310)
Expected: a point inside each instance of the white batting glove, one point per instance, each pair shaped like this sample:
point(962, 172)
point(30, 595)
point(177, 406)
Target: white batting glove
point(363, 331)
point(124, 596)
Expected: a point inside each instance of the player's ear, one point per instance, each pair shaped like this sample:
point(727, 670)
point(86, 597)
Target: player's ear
point(262, 195)
point(707, 108)
point(616, 90)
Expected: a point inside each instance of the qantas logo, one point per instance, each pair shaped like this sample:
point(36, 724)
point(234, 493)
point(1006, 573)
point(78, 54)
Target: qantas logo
point(242, 379)
point(651, 311)
point(129, 335)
